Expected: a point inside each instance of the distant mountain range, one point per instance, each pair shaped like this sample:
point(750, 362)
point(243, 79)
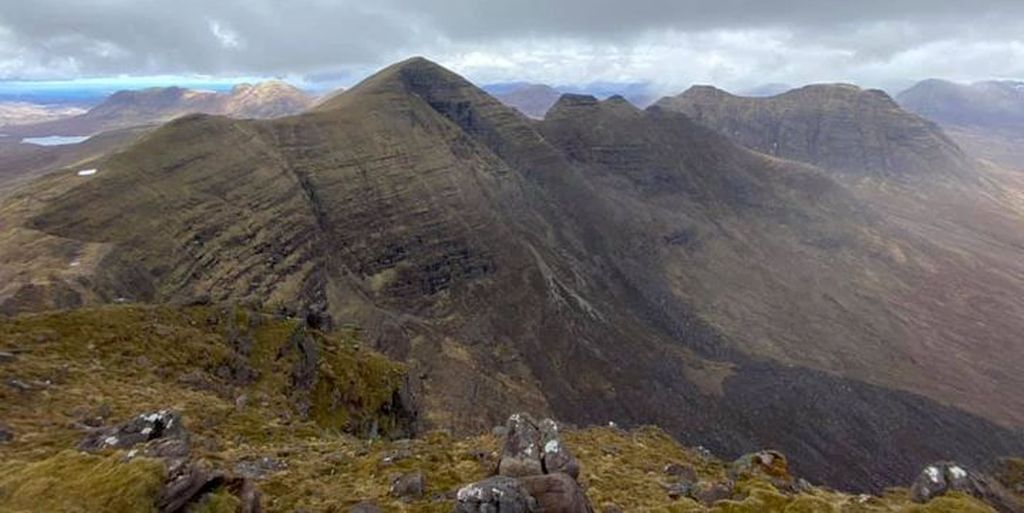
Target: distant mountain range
point(157, 105)
point(819, 272)
point(534, 100)
point(986, 118)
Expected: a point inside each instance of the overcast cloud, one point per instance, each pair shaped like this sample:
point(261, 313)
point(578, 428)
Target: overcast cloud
point(736, 44)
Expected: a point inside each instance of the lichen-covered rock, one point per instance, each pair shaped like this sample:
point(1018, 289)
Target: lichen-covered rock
point(163, 424)
point(557, 493)
point(495, 494)
point(764, 463)
point(555, 456)
point(408, 486)
point(521, 454)
point(940, 478)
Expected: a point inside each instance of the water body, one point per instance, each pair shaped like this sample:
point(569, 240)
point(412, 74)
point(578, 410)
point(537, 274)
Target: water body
point(54, 140)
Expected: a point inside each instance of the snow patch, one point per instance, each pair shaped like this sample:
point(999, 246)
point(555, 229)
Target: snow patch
point(87, 172)
point(933, 474)
point(957, 472)
point(110, 440)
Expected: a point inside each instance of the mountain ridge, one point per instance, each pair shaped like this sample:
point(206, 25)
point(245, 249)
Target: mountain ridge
point(545, 266)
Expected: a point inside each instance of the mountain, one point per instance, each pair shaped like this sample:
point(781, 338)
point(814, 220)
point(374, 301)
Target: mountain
point(604, 264)
point(157, 105)
point(986, 118)
point(991, 103)
point(23, 113)
point(533, 100)
point(836, 126)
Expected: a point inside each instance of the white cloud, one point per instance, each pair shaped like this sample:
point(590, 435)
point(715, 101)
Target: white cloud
point(227, 37)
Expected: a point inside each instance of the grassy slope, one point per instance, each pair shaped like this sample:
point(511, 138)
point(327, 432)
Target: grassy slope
point(119, 361)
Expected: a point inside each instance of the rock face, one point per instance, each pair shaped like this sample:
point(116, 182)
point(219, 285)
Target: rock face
point(836, 126)
point(605, 263)
point(536, 470)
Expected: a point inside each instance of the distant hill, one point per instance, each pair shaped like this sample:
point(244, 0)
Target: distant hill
point(986, 118)
point(157, 105)
point(988, 104)
point(839, 127)
point(534, 100)
point(24, 113)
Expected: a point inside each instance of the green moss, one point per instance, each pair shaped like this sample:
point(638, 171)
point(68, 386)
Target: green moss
point(76, 482)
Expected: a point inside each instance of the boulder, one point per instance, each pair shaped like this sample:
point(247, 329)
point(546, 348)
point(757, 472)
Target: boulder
point(942, 477)
point(556, 456)
point(710, 492)
point(163, 424)
point(684, 473)
point(557, 493)
point(521, 454)
point(408, 486)
point(495, 494)
point(770, 464)
point(187, 487)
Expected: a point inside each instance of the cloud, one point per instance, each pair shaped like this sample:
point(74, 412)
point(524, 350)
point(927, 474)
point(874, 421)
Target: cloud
point(228, 38)
point(732, 43)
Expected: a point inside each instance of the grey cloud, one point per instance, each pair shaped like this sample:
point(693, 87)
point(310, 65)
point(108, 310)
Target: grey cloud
point(804, 39)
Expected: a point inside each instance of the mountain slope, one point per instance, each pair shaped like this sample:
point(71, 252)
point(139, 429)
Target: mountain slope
point(604, 264)
point(838, 127)
point(160, 104)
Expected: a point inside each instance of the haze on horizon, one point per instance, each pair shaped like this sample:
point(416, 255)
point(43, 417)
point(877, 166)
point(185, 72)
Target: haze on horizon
point(671, 44)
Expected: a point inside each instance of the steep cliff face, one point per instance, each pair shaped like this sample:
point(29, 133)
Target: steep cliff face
point(838, 127)
point(604, 264)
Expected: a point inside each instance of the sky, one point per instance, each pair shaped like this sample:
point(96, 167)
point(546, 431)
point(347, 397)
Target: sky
point(670, 44)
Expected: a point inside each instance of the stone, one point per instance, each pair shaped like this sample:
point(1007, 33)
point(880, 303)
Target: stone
point(493, 495)
point(187, 487)
point(408, 486)
point(556, 456)
point(6, 357)
point(710, 492)
point(764, 463)
point(557, 493)
point(938, 479)
point(521, 454)
point(139, 430)
point(681, 471)
point(6, 435)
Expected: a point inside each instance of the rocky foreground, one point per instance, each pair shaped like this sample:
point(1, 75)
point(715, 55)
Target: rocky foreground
point(205, 408)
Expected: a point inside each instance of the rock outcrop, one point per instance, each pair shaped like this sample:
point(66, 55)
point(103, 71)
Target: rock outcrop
point(536, 471)
point(162, 435)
